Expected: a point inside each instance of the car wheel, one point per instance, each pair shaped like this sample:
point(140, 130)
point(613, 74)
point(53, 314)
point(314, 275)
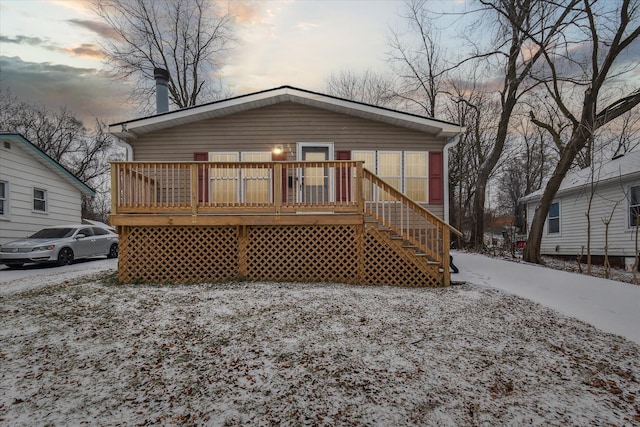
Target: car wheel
point(113, 251)
point(65, 257)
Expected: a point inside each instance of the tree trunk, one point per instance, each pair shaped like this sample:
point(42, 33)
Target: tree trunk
point(532, 249)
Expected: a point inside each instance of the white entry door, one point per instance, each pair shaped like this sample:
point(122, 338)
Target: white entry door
point(315, 182)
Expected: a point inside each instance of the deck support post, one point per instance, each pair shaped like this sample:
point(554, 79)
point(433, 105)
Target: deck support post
point(243, 247)
point(446, 274)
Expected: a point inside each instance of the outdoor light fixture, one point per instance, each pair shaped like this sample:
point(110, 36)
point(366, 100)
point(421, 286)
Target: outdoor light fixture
point(277, 149)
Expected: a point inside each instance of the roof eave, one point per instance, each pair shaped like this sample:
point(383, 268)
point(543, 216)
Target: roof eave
point(132, 128)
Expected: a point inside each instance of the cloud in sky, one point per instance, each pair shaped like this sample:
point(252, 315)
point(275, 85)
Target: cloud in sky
point(87, 50)
point(87, 92)
point(100, 28)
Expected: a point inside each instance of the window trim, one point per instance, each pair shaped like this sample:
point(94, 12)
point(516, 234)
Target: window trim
point(629, 206)
point(5, 201)
point(559, 232)
point(45, 200)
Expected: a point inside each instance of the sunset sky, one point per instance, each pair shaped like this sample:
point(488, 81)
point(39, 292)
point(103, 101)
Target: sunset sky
point(49, 56)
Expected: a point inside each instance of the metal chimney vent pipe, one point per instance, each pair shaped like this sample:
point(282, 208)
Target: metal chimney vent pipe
point(162, 90)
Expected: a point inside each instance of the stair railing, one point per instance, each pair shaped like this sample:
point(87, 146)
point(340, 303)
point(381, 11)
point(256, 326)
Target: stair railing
point(409, 220)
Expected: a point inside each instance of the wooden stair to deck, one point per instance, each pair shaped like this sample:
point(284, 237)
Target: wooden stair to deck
point(405, 249)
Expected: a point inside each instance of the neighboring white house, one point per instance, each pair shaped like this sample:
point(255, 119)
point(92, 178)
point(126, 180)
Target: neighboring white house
point(35, 190)
point(616, 196)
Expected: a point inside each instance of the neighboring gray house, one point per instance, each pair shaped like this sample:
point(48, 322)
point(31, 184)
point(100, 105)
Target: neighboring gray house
point(35, 190)
point(616, 195)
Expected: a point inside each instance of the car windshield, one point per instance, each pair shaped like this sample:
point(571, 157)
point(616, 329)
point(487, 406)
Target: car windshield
point(53, 233)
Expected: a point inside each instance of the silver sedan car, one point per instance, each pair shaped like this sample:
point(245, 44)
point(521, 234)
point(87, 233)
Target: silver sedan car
point(60, 245)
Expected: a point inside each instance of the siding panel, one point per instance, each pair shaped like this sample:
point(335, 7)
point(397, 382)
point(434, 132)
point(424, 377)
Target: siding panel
point(287, 123)
point(24, 173)
point(608, 199)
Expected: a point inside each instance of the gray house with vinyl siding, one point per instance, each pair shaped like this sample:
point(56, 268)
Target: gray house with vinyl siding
point(35, 190)
point(288, 123)
point(615, 185)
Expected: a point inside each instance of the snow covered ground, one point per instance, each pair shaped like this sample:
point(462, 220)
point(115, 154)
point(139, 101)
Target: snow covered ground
point(84, 350)
point(609, 305)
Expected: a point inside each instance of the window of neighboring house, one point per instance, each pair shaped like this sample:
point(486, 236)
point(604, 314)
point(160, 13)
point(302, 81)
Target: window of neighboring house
point(415, 175)
point(256, 181)
point(369, 159)
point(39, 200)
point(553, 219)
point(4, 199)
point(634, 206)
point(224, 181)
point(390, 170)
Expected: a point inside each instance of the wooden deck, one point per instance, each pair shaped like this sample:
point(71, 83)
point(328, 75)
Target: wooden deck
point(284, 221)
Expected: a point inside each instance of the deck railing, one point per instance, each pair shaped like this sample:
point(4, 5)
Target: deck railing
point(211, 188)
point(227, 187)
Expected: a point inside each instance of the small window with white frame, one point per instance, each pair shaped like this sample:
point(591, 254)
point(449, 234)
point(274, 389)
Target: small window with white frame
point(39, 200)
point(4, 199)
point(634, 206)
point(553, 219)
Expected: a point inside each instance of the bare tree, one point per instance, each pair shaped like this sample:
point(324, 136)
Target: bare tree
point(419, 65)
point(473, 108)
point(526, 163)
point(610, 33)
point(515, 22)
point(627, 137)
point(64, 138)
point(186, 37)
point(368, 87)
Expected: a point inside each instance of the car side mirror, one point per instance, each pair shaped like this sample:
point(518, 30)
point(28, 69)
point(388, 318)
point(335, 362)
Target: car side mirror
point(80, 236)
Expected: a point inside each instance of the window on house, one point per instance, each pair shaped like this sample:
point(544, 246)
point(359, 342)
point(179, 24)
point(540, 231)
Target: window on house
point(224, 181)
point(634, 206)
point(4, 199)
point(415, 175)
point(553, 219)
point(369, 159)
point(390, 169)
point(256, 182)
point(39, 200)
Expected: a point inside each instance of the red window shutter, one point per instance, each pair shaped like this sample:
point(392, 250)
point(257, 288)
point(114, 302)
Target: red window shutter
point(203, 177)
point(436, 180)
point(343, 178)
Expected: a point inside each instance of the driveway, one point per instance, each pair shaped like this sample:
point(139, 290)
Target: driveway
point(608, 305)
